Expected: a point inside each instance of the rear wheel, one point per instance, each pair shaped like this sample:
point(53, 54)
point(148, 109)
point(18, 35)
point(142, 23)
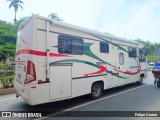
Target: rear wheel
point(158, 83)
point(96, 90)
point(140, 82)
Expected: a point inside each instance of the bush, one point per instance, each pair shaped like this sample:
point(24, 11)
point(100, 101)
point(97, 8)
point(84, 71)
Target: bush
point(7, 81)
point(8, 73)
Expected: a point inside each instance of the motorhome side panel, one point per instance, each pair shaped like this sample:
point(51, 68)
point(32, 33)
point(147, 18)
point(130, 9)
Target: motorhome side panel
point(92, 55)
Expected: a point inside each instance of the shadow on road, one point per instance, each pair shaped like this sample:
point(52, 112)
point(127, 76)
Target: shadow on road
point(53, 107)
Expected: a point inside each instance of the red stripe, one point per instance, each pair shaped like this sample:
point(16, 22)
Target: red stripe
point(33, 87)
point(130, 73)
point(32, 52)
point(57, 55)
point(102, 69)
point(39, 53)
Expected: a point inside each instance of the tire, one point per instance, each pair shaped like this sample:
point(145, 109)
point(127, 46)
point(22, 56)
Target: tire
point(158, 84)
point(96, 90)
point(140, 82)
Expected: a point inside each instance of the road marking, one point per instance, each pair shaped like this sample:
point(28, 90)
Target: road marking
point(78, 106)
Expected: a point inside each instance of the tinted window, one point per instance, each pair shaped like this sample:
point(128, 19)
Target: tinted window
point(132, 52)
point(158, 63)
point(77, 46)
point(70, 45)
point(104, 47)
point(142, 57)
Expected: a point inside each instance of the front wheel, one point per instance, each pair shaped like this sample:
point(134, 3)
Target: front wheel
point(96, 90)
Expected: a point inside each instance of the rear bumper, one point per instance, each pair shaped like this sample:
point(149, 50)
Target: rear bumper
point(27, 93)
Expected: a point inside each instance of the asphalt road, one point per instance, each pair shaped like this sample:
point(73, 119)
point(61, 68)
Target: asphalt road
point(126, 98)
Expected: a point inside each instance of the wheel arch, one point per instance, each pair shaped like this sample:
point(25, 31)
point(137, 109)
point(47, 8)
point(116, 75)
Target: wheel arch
point(99, 81)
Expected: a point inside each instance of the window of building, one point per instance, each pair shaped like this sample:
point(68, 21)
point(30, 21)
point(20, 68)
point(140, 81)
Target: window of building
point(70, 45)
point(132, 52)
point(104, 47)
point(121, 58)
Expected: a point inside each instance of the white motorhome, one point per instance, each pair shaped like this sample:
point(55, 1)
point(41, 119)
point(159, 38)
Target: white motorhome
point(57, 61)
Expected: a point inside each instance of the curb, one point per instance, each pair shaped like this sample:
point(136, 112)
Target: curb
point(7, 91)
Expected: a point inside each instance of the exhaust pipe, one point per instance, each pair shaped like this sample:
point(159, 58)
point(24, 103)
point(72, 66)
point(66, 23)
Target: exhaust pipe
point(17, 95)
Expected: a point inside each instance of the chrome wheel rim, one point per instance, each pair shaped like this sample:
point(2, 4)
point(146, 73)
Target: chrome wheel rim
point(96, 90)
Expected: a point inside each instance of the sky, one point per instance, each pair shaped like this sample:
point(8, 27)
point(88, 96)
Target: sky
point(130, 19)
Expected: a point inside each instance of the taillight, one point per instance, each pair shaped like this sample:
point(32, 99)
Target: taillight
point(31, 73)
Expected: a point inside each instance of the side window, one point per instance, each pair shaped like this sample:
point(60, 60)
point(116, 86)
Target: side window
point(70, 45)
point(121, 58)
point(132, 52)
point(77, 46)
point(64, 44)
point(142, 57)
point(104, 47)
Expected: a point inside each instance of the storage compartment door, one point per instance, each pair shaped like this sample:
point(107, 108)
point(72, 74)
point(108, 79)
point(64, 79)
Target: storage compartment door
point(60, 81)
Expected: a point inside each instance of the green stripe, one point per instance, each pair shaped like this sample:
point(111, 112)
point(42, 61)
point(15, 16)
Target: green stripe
point(88, 52)
point(85, 62)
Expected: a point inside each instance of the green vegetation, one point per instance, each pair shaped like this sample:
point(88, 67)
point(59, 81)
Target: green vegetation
point(6, 75)
point(152, 50)
point(7, 41)
point(54, 16)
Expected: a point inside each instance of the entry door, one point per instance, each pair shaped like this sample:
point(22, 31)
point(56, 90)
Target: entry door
point(123, 67)
point(60, 81)
point(113, 73)
point(134, 69)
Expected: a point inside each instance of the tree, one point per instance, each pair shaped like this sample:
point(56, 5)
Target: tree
point(152, 50)
point(7, 51)
point(151, 58)
point(15, 4)
point(7, 41)
point(54, 16)
point(7, 33)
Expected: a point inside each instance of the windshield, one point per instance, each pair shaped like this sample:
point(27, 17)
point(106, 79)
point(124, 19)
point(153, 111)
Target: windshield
point(158, 64)
point(151, 64)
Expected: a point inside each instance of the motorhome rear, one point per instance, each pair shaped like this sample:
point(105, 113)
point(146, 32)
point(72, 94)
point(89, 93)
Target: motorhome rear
point(57, 61)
